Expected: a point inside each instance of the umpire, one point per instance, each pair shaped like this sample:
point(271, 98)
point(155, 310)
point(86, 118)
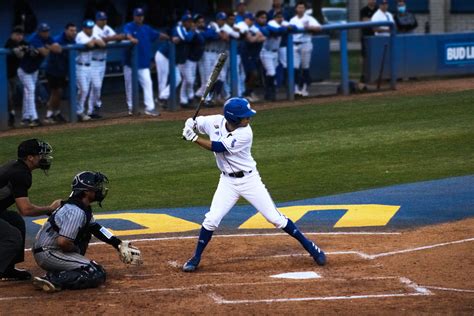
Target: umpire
point(15, 181)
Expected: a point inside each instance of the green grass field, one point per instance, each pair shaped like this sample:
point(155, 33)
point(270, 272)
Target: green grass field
point(302, 152)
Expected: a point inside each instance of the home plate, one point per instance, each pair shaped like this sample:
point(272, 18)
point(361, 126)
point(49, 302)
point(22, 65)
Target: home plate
point(297, 275)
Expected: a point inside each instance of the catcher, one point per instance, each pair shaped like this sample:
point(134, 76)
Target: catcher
point(62, 242)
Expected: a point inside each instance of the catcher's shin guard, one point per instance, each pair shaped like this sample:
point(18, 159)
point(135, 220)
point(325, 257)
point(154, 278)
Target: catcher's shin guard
point(90, 276)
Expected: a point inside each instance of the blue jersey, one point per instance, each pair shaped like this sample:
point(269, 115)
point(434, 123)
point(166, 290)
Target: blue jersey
point(29, 63)
point(58, 63)
point(184, 45)
point(145, 36)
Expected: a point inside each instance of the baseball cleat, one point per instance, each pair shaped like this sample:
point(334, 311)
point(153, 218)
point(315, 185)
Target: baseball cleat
point(191, 265)
point(317, 254)
point(45, 285)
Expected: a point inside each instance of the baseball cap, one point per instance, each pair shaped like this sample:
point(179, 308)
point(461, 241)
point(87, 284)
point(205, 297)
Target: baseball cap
point(197, 16)
point(138, 12)
point(249, 15)
point(382, 1)
point(18, 29)
point(186, 17)
point(221, 16)
point(43, 27)
point(88, 24)
point(239, 2)
point(100, 15)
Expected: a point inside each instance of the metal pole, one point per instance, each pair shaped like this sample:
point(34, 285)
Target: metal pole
point(3, 91)
point(344, 63)
point(135, 91)
point(234, 81)
point(172, 63)
point(290, 92)
point(72, 86)
point(393, 59)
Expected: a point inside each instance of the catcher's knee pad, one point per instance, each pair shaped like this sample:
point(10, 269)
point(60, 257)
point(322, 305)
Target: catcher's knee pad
point(90, 276)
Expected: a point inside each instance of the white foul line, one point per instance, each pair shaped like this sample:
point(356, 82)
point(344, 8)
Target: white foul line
point(383, 254)
point(419, 291)
point(448, 289)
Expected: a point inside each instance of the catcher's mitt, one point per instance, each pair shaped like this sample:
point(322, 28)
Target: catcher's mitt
point(129, 254)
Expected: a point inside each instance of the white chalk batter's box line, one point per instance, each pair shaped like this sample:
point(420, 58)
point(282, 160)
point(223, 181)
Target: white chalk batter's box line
point(418, 291)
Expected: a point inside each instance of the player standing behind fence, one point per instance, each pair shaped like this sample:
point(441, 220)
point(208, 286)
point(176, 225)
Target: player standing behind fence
point(57, 69)
point(303, 47)
point(269, 53)
point(182, 35)
point(19, 47)
point(208, 34)
point(162, 72)
point(380, 15)
point(230, 139)
point(40, 45)
point(141, 35)
point(249, 50)
point(99, 60)
point(83, 67)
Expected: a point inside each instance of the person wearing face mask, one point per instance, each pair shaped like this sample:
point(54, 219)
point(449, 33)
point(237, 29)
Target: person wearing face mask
point(406, 21)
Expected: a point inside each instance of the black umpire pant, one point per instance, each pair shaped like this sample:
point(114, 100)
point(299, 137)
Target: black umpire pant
point(12, 239)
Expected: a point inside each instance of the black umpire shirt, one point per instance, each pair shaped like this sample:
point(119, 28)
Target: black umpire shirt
point(15, 181)
point(367, 12)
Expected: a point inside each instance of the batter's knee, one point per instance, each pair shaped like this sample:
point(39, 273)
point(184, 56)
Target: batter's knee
point(210, 223)
point(278, 221)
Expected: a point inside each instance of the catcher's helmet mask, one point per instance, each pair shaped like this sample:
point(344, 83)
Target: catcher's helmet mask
point(91, 181)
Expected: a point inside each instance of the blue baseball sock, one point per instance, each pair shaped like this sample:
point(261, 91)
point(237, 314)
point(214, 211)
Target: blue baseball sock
point(293, 231)
point(204, 238)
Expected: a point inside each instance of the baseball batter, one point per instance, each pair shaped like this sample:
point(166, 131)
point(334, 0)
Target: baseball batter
point(62, 242)
point(230, 138)
point(303, 47)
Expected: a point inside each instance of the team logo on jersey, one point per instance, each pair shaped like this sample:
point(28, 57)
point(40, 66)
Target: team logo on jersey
point(233, 143)
point(216, 126)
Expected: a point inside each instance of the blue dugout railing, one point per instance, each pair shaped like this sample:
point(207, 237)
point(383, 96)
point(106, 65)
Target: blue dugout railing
point(172, 104)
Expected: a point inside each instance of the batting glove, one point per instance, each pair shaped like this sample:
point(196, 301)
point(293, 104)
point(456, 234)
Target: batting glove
point(191, 123)
point(189, 134)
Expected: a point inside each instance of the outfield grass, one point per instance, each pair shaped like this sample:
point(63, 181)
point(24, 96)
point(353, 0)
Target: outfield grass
point(301, 152)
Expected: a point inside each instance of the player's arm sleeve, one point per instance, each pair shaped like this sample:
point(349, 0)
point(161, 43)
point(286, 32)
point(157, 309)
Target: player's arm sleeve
point(218, 147)
point(236, 143)
point(103, 234)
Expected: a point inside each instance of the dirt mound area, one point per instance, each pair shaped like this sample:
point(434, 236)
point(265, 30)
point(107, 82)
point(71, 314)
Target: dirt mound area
point(427, 270)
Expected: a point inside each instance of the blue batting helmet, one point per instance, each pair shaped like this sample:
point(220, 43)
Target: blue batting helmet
point(235, 109)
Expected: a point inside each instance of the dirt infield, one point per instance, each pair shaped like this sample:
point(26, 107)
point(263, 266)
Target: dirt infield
point(427, 270)
point(120, 117)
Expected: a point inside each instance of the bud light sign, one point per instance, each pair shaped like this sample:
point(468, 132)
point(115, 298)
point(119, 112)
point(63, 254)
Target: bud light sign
point(457, 54)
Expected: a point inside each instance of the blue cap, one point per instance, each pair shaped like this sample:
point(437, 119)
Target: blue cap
point(238, 2)
point(43, 27)
point(221, 16)
point(186, 17)
point(249, 15)
point(138, 12)
point(88, 24)
point(100, 15)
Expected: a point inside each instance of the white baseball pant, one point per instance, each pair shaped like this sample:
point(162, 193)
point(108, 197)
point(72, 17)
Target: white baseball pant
point(29, 87)
point(144, 78)
point(269, 61)
point(97, 78)
point(282, 56)
point(83, 81)
point(251, 188)
point(188, 73)
point(56, 260)
point(302, 55)
point(162, 72)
